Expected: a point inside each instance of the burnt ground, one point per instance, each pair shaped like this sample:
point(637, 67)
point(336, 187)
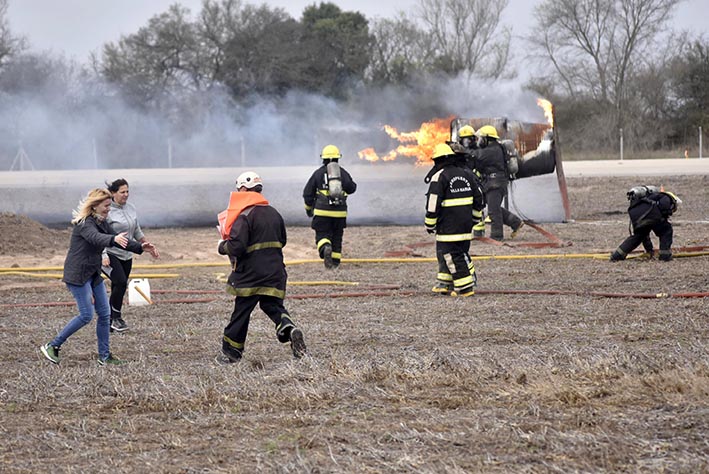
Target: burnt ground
point(396, 380)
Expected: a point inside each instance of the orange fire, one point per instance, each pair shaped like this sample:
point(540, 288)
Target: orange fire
point(548, 110)
point(418, 144)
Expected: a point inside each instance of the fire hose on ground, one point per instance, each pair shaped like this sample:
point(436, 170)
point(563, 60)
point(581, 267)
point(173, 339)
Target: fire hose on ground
point(374, 291)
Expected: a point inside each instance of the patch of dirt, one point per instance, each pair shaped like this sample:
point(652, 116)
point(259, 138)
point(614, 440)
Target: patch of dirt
point(21, 235)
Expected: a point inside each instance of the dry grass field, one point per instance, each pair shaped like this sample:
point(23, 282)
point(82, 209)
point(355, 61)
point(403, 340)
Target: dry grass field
point(396, 380)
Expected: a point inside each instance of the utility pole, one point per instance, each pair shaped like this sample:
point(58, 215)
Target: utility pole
point(95, 151)
point(621, 144)
point(243, 152)
point(700, 143)
point(169, 152)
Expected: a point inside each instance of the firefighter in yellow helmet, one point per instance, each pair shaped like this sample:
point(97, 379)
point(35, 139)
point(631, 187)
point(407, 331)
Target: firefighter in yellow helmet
point(466, 147)
point(454, 204)
point(325, 197)
point(490, 161)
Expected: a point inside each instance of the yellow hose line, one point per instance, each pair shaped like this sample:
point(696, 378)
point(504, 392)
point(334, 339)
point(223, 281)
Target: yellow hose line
point(140, 265)
point(34, 275)
point(31, 269)
point(59, 275)
point(602, 256)
point(156, 275)
point(322, 283)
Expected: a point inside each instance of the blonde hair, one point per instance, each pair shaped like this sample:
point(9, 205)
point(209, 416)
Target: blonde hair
point(87, 205)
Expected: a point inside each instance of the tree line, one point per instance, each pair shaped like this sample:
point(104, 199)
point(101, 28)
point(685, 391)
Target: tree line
point(605, 64)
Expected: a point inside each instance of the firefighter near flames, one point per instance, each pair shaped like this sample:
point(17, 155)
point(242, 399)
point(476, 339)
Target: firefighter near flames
point(494, 161)
point(454, 203)
point(325, 196)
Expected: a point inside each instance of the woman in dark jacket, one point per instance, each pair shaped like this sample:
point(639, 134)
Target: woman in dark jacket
point(82, 276)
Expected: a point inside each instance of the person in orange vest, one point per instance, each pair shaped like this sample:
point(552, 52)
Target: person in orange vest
point(253, 236)
point(325, 195)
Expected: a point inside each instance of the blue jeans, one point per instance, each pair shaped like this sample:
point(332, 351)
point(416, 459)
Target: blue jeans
point(82, 294)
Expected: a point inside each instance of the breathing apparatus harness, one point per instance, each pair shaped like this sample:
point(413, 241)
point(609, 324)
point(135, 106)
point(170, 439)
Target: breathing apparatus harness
point(640, 194)
point(333, 181)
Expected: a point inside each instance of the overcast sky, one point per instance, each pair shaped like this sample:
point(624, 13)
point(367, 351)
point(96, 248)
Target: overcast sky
point(77, 27)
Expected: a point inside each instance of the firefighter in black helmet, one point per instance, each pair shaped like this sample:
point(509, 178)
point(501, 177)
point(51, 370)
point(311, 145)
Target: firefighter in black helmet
point(325, 197)
point(454, 204)
point(490, 161)
point(649, 209)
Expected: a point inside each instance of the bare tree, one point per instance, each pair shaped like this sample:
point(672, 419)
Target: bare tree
point(399, 50)
point(593, 46)
point(161, 57)
point(217, 24)
point(466, 35)
point(9, 44)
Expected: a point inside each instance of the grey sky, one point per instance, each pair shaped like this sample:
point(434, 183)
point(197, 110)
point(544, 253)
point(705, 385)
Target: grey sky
point(77, 27)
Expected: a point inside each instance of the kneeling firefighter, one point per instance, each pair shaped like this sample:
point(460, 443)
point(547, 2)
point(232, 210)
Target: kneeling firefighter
point(325, 195)
point(650, 209)
point(454, 203)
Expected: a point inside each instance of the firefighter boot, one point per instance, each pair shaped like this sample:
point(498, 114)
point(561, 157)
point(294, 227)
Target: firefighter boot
point(297, 343)
point(464, 292)
point(515, 232)
point(616, 256)
point(442, 288)
point(327, 256)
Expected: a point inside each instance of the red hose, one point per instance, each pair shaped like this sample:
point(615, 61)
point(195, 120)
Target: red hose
point(402, 293)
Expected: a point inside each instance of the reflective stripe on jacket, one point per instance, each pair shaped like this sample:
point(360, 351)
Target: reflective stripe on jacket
point(454, 203)
point(316, 194)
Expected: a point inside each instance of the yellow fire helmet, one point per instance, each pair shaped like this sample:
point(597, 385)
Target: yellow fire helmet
point(466, 131)
point(488, 131)
point(442, 150)
point(330, 152)
point(674, 196)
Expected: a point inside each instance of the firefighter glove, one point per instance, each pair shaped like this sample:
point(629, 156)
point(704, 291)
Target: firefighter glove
point(431, 230)
point(309, 212)
point(220, 247)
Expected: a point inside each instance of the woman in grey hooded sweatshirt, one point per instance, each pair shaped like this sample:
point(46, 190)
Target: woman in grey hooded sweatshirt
point(117, 262)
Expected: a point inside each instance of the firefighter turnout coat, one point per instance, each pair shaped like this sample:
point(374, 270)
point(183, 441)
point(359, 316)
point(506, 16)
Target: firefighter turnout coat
point(255, 248)
point(454, 203)
point(316, 194)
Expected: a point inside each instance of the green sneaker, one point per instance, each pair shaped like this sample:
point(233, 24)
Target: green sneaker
point(110, 360)
point(50, 352)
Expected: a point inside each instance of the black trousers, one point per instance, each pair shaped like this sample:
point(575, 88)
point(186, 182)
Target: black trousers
point(329, 230)
point(498, 214)
point(455, 267)
point(120, 273)
point(662, 229)
point(235, 332)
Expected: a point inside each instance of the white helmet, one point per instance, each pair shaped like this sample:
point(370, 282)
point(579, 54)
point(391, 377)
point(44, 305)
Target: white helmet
point(249, 180)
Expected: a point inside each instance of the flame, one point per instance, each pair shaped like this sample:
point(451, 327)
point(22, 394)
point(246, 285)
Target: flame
point(548, 110)
point(418, 144)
